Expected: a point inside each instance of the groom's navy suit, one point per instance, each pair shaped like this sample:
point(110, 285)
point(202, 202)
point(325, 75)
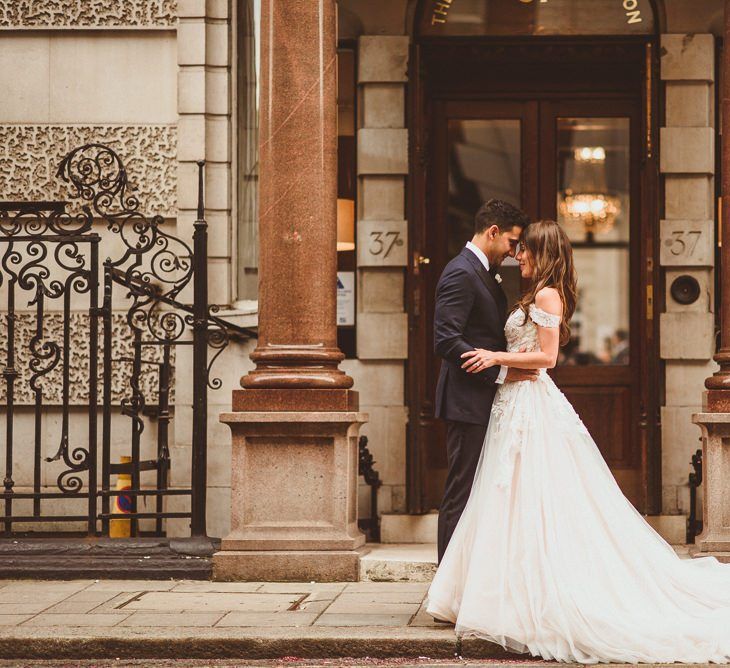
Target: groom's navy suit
point(470, 313)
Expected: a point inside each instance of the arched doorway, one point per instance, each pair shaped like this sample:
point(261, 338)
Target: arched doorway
point(549, 104)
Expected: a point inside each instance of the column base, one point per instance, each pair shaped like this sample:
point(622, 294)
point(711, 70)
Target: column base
point(288, 566)
point(723, 557)
point(709, 545)
point(293, 493)
point(269, 400)
point(715, 537)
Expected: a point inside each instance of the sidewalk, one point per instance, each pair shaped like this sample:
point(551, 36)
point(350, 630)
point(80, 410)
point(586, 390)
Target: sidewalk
point(186, 619)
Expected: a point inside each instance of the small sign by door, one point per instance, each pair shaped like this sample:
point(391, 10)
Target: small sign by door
point(346, 298)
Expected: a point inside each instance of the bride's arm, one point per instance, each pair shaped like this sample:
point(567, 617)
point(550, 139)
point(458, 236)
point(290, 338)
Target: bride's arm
point(546, 357)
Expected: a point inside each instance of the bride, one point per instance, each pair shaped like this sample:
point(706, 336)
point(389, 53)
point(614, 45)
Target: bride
point(549, 557)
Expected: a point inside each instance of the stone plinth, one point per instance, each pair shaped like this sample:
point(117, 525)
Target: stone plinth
point(293, 497)
point(715, 536)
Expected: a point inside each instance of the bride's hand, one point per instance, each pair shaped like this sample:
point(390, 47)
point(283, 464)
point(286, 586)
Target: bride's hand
point(479, 359)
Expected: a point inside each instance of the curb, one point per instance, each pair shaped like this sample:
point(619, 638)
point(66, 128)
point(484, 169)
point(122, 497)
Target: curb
point(247, 647)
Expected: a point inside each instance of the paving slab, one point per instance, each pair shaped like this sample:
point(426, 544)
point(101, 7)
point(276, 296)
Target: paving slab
point(138, 619)
point(213, 587)
point(133, 585)
point(193, 619)
point(13, 620)
point(74, 607)
point(23, 608)
point(356, 607)
point(34, 598)
point(193, 602)
point(75, 621)
point(308, 605)
point(302, 587)
point(117, 601)
point(371, 619)
point(366, 597)
point(277, 619)
point(388, 586)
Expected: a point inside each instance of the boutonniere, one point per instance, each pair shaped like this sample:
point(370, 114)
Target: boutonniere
point(498, 278)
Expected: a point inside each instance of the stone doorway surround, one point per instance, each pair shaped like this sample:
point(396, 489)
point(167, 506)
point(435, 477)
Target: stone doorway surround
point(687, 142)
point(687, 153)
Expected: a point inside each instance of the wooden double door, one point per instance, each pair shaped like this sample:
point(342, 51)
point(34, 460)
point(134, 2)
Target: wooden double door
point(582, 162)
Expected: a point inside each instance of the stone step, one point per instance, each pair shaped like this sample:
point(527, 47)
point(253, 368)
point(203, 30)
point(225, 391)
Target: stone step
point(408, 562)
point(403, 528)
point(414, 562)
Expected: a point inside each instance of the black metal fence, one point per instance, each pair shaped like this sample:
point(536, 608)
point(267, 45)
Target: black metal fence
point(694, 526)
point(90, 349)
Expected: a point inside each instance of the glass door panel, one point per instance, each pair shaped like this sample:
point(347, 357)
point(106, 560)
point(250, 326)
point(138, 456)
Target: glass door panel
point(593, 206)
point(484, 162)
point(589, 155)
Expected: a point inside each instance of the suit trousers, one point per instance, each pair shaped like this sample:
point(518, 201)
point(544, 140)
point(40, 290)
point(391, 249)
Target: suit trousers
point(464, 443)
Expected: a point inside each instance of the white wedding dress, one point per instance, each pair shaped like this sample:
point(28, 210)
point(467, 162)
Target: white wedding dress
point(550, 558)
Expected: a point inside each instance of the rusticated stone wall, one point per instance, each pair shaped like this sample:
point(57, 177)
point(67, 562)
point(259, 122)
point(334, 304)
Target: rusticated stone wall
point(87, 13)
point(30, 155)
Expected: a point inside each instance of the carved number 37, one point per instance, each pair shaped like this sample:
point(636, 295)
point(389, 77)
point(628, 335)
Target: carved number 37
point(382, 243)
point(678, 244)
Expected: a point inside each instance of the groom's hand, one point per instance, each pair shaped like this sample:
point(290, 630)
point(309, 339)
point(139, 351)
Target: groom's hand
point(518, 375)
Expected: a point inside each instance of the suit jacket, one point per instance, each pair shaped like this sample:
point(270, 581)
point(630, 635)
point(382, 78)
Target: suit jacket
point(470, 313)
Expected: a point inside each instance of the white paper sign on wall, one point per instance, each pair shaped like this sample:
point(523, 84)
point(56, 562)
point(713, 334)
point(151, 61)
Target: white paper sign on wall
point(346, 298)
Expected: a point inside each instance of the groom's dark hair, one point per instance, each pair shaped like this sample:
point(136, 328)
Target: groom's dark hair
point(502, 214)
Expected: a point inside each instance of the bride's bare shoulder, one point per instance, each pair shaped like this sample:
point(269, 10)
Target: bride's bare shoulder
point(548, 300)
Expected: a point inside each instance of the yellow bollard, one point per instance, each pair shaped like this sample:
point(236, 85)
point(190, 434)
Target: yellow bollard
point(122, 504)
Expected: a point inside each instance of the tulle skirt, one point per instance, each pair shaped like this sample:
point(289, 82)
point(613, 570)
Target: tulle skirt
point(550, 558)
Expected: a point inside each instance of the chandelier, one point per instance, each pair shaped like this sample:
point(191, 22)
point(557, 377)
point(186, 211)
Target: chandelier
point(587, 204)
point(595, 212)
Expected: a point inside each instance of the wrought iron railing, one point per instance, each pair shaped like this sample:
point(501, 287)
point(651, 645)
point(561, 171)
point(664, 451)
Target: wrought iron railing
point(105, 360)
point(366, 468)
point(694, 526)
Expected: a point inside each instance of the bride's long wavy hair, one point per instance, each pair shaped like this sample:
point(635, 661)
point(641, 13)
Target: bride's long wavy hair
point(552, 259)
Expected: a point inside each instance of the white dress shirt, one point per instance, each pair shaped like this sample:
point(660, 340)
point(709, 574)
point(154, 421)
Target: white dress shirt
point(485, 262)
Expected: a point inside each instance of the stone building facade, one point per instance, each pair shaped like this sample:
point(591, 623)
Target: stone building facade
point(170, 83)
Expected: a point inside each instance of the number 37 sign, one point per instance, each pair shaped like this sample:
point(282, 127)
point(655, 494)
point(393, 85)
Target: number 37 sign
point(686, 243)
point(382, 243)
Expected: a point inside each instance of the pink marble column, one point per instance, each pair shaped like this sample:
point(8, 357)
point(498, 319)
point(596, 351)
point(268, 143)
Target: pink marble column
point(298, 199)
point(295, 422)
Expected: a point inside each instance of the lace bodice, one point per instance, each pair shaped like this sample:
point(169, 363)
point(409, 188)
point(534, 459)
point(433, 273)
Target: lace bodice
point(520, 335)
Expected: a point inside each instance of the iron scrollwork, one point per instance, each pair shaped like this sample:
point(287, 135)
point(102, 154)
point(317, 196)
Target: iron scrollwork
point(52, 257)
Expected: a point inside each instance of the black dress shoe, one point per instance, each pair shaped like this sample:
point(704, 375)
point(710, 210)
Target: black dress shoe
point(441, 621)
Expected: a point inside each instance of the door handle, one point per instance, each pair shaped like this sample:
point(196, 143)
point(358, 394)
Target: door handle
point(424, 260)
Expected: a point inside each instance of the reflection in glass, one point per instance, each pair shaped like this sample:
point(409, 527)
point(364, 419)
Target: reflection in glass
point(594, 208)
point(536, 17)
point(247, 110)
point(484, 163)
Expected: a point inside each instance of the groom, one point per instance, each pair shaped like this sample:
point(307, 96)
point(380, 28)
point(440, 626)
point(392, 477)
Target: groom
point(470, 313)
